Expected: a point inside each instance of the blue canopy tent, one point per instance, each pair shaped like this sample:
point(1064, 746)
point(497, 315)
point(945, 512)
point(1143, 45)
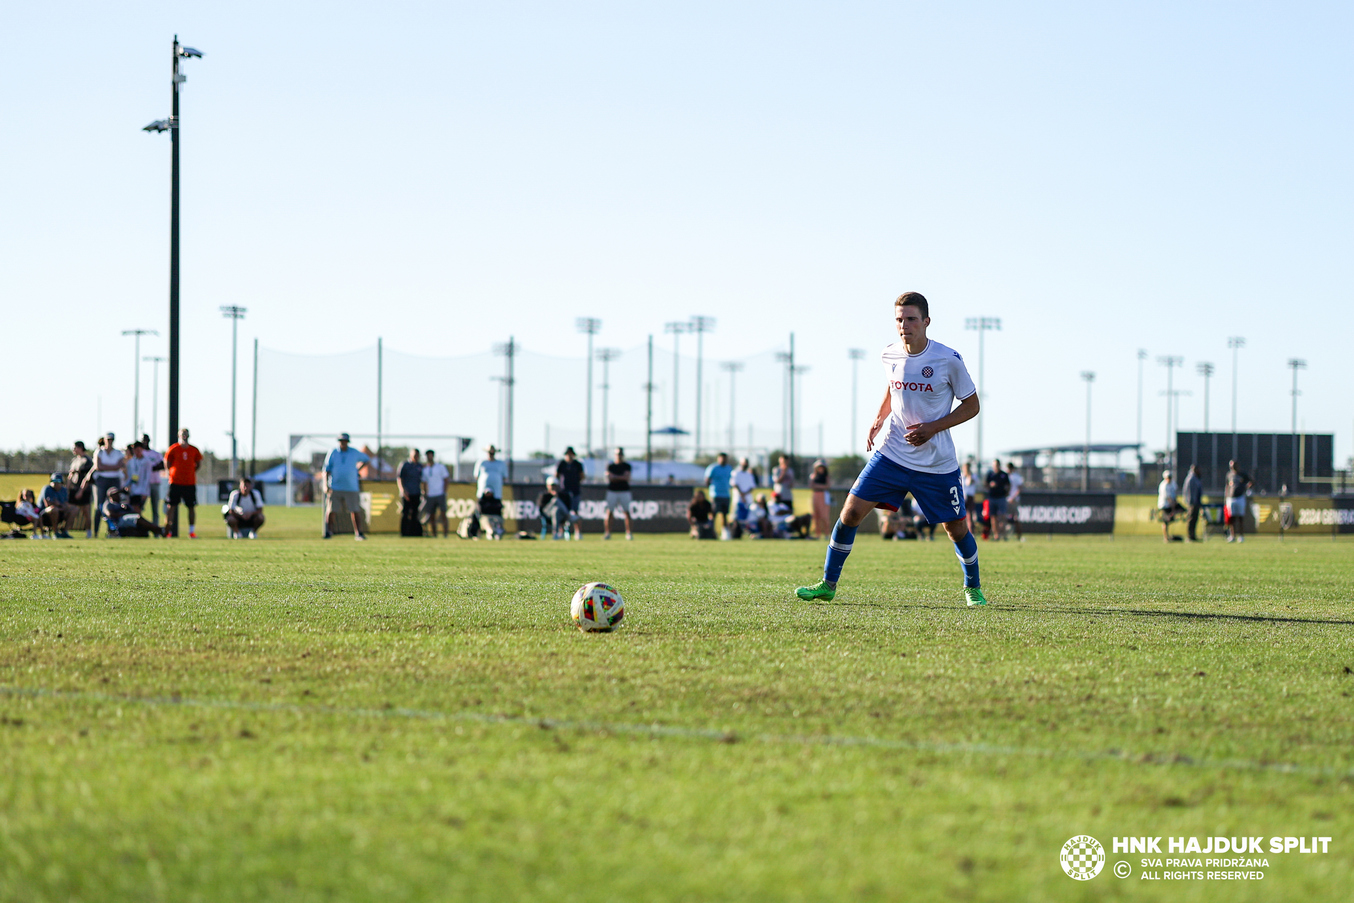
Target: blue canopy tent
point(278, 474)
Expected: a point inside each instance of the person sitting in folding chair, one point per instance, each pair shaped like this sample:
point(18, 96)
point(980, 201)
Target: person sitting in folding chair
point(123, 519)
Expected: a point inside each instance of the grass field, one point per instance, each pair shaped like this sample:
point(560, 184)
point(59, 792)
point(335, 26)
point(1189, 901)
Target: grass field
point(404, 719)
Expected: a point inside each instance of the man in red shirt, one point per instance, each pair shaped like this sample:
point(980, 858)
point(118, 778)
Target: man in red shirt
point(181, 461)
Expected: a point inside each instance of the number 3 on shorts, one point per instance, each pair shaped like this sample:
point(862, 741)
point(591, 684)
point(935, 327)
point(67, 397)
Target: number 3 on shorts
point(954, 500)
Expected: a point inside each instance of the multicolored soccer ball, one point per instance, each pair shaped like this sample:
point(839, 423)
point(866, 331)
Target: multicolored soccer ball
point(597, 606)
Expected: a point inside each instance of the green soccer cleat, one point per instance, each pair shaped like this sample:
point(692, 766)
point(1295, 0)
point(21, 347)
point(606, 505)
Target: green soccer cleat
point(821, 590)
point(975, 596)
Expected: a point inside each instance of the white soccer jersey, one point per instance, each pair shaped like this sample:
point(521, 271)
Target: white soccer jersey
point(923, 387)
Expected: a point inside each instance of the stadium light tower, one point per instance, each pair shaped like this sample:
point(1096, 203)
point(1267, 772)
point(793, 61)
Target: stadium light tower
point(171, 125)
point(509, 350)
point(591, 326)
point(234, 313)
point(136, 384)
point(677, 328)
point(732, 368)
point(700, 326)
point(1235, 343)
point(154, 392)
point(1142, 356)
point(982, 325)
point(1170, 362)
point(1089, 376)
point(856, 355)
point(1206, 371)
point(1296, 363)
point(606, 356)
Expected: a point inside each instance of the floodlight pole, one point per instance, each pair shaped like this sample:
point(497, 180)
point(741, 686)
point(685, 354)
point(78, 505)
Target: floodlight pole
point(649, 416)
point(700, 326)
point(1089, 376)
point(676, 328)
point(606, 356)
point(1235, 343)
point(732, 368)
point(591, 326)
point(1296, 363)
point(1142, 356)
point(982, 325)
point(254, 418)
point(1205, 370)
point(508, 350)
point(234, 314)
point(856, 355)
point(380, 386)
point(154, 392)
point(136, 385)
point(1170, 362)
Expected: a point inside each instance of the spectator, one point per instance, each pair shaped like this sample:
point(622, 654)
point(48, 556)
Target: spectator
point(717, 477)
point(490, 474)
point(1235, 491)
point(435, 479)
point(489, 515)
point(80, 489)
point(1013, 499)
point(700, 515)
point(1193, 491)
point(970, 482)
point(108, 466)
point(570, 474)
point(28, 514)
point(998, 487)
point(759, 518)
point(410, 480)
point(181, 460)
point(1167, 492)
point(618, 496)
point(244, 511)
point(123, 519)
point(553, 506)
point(157, 466)
point(892, 524)
point(786, 524)
point(745, 482)
point(822, 516)
point(138, 472)
point(783, 482)
point(54, 508)
point(342, 488)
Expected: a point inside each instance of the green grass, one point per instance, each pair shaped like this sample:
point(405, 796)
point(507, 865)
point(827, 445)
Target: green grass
point(403, 719)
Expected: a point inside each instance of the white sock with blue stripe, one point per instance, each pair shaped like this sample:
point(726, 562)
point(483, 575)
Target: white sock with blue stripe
point(838, 547)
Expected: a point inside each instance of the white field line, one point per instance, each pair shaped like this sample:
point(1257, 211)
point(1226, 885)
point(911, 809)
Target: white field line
point(658, 730)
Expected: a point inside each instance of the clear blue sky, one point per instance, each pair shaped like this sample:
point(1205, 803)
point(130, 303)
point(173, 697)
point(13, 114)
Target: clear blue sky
point(1103, 177)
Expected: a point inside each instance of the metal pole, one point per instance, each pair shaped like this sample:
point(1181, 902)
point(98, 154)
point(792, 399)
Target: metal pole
point(254, 418)
point(606, 356)
point(1235, 342)
point(700, 326)
point(1089, 376)
point(591, 326)
point(234, 313)
point(174, 250)
point(792, 401)
point(136, 383)
point(648, 419)
point(676, 328)
point(154, 393)
point(1170, 362)
point(1297, 364)
point(1142, 356)
point(732, 368)
point(982, 325)
point(1205, 370)
point(380, 386)
point(856, 355)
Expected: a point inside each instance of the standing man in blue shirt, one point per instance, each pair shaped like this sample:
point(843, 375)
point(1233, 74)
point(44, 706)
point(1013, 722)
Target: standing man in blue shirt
point(341, 489)
point(717, 477)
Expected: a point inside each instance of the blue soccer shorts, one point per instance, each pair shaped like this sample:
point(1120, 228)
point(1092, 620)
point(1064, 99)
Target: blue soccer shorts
point(939, 496)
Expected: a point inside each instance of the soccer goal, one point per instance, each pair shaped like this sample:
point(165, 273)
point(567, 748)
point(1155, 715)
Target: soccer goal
point(387, 451)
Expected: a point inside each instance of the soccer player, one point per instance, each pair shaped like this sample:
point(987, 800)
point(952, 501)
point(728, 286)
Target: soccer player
point(925, 378)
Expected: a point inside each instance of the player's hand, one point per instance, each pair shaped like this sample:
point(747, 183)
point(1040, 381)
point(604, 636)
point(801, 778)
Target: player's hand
point(874, 431)
point(919, 434)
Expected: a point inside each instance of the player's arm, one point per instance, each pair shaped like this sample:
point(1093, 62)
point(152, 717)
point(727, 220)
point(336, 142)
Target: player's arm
point(921, 433)
point(885, 407)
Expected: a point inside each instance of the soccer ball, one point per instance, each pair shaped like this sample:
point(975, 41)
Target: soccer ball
point(597, 606)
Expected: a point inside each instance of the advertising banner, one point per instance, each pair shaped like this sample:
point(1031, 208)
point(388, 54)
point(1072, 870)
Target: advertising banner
point(1053, 512)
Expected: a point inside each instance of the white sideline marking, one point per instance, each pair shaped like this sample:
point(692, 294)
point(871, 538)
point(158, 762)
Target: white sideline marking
point(658, 730)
